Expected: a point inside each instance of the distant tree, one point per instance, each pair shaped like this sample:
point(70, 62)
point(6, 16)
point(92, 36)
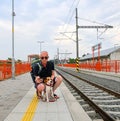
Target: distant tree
point(71, 60)
point(83, 55)
point(9, 59)
point(19, 61)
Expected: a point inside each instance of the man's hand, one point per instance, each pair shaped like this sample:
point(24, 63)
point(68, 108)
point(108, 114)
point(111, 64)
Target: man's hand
point(38, 79)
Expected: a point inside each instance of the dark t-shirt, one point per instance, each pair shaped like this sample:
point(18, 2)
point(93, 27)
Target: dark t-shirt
point(41, 71)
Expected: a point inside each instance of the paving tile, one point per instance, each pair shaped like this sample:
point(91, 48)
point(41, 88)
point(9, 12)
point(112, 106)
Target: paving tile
point(53, 111)
point(45, 111)
point(14, 117)
point(64, 117)
point(52, 117)
point(40, 117)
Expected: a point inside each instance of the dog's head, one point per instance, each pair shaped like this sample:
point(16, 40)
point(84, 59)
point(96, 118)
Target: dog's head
point(48, 81)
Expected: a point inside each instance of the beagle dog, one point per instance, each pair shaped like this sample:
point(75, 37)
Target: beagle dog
point(47, 94)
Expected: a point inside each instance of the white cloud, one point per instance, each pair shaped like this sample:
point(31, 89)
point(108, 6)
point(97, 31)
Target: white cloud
point(42, 19)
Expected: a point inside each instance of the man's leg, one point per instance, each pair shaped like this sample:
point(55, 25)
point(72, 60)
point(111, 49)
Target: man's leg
point(40, 88)
point(58, 81)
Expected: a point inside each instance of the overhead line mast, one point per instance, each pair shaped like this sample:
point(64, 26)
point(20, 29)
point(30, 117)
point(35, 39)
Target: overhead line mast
point(77, 42)
point(86, 27)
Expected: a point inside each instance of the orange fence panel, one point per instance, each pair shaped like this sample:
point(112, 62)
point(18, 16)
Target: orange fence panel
point(106, 65)
point(6, 69)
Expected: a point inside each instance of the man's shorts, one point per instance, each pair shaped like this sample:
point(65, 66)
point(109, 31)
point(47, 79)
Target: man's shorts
point(54, 81)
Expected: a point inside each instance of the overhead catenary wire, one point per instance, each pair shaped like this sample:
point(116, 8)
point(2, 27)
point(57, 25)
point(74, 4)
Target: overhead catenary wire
point(91, 21)
point(68, 19)
point(102, 33)
point(116, 27)
point(71, 16)
point(71, 12)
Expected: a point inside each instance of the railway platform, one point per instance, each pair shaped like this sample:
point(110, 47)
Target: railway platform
point(29, 108)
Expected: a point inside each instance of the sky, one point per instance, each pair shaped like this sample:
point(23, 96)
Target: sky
point(53, 21)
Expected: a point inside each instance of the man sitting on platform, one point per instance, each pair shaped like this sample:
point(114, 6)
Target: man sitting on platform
point(45, 69)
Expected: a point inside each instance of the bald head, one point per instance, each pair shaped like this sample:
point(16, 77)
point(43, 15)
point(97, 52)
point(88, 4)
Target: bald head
point(44, 57)
point(44, 54)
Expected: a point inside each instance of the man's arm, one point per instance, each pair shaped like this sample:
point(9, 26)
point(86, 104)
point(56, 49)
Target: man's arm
point(53, 74)
point(53, 71)
point(37, 77)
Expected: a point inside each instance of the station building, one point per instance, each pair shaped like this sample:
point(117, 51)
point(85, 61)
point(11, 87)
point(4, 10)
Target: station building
point(108, 54)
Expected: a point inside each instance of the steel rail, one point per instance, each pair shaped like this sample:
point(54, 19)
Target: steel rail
point(102, 113)
point(112, 92)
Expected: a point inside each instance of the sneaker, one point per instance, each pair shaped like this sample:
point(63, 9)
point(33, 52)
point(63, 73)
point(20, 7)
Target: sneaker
point(57, 97)
point(52, 99)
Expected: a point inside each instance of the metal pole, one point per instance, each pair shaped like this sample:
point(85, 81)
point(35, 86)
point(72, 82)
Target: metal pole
point(97, 34)
point(40, 42)
point(40, 47)
point(77, 47)
point(58, 54)
point(13, 60)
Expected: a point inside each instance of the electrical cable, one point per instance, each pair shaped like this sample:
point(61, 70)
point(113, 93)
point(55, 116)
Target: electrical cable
point(92, 21)
point(69, 20)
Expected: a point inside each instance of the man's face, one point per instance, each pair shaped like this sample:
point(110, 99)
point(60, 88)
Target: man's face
point(44, 57)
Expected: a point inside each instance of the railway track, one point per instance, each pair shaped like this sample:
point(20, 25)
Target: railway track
point(99, 102)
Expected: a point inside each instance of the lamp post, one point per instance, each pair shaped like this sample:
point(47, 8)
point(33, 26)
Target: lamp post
point(13, 60)
point(40, 42)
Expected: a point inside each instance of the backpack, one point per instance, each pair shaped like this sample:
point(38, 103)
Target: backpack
point(33, 64)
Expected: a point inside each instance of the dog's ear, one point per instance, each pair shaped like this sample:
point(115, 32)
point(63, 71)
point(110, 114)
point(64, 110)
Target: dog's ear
point(48, 78)
point(45, 80)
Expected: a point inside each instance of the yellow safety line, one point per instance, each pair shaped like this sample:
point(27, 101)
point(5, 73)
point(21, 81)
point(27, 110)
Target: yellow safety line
point(28, 115)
